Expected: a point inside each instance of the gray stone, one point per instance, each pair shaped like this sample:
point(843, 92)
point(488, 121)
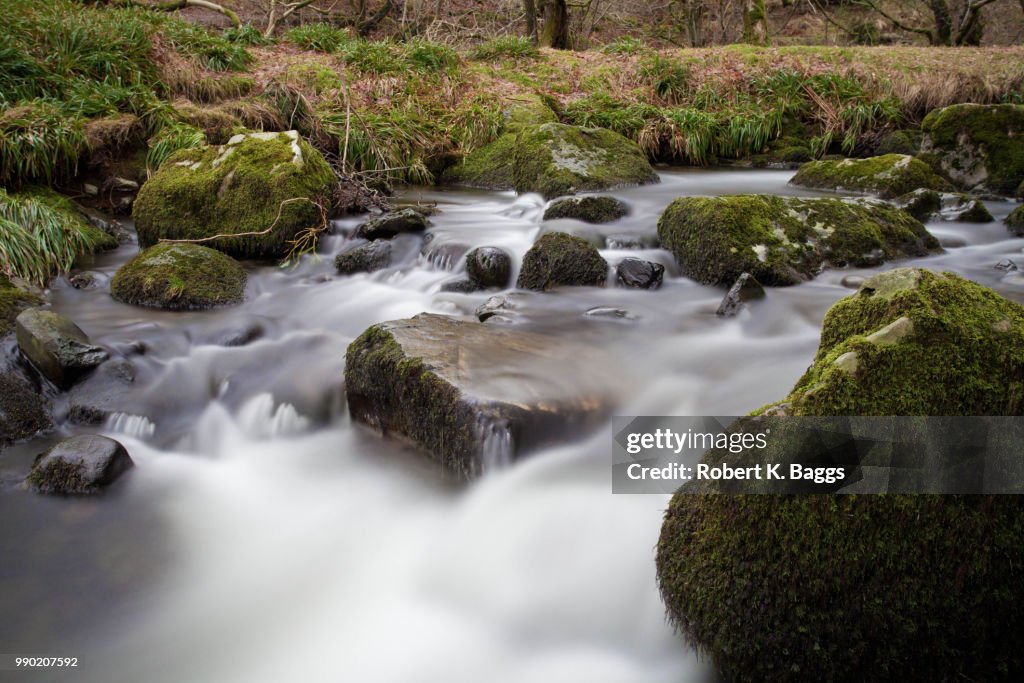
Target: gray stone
point(489, 267)
point(390, 224)
point(639, 274)
point(57, 347)
point(80, 465)
point(364, 258)
point(103, 393)
point(460, 286)
point(23, 409)
point(746, 288)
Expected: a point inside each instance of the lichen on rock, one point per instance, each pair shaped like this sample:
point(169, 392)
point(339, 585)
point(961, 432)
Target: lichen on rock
point(886, 176)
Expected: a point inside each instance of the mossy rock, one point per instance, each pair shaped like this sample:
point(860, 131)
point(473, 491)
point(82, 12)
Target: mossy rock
point(23, 409)
point(980, 147)
point(267, 183)
point(1015, 221)
point(852, 588)
point(587, 209)
point(561, 259)
point(365, 258)
point(13, 301)
point(526, 109)
point(784, 240)
point(900, 142)
point(80, 465)
point(555, 159)
point(921, 204)
point(180, 277)
point(886, 176)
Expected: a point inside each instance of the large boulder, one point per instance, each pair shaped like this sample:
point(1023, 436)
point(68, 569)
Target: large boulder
point(56, 346)
point(587, 209)
point(559, 259)
point(979, 147)
point(886, 176)
point(848, 588)
point(80, 465)
point(179, 277)
point(1015, 221)
point(474, 396)
point(785, 240)
point(555, 159)
point(266, 188)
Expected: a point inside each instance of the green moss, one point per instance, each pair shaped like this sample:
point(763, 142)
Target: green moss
point(900, 142)
point(12, 302)
point(1015, 221)
point(561, 259)
point(526, 109)
point(180, 277)
point(257, 185)
point(587, 209)
point(887, 176)
point(783, 241)
point(555, 159)
point(921, 204)
point(981, 146)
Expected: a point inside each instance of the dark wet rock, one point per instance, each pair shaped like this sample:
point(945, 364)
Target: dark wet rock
point(587, 209)
point(365, 258)
point(13, 300)
point(786, 240)
point(57, 347)
point(560, 259)
point(610, 312)
point(180, 277)
point(81, 465)
point(634, 272)
point(241, 334)
point(588, 233)
point(1006, 265)
point(1015, 221)
point(921, 204)
point(103, 393)
point(390, 224)
point(462, 285)
point(84, 280)
point(489, 267)
point(746, 288)
point(24, 411)
point(471, 395)
point(441, 254)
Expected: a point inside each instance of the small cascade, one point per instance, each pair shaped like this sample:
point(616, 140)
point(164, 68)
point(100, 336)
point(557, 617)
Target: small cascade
point(496, 445)
point(259, 418)
point(135, 426)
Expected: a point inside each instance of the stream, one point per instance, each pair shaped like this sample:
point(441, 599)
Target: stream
point(263, 537)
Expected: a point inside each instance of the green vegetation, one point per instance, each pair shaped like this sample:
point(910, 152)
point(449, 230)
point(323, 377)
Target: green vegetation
point(179, 277)
point(12, 302)
point(514, 47)
point(587, 209)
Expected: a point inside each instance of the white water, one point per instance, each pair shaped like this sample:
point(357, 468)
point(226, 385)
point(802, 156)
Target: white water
point(263, 537)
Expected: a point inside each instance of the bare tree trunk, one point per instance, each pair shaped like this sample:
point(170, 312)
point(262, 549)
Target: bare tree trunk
point(530, 8)
point(555, 32)
point(755, 22)
point(696, 12)
point(943, 33)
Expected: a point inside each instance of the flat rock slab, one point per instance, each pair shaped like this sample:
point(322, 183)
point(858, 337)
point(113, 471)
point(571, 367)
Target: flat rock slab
point(475, 396)
point(57, 347)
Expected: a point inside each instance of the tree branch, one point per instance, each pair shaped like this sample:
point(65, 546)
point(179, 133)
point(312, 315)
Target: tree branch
point(897, 23)
point(175, 5)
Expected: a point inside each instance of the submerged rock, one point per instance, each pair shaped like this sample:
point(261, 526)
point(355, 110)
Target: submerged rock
point(268, 183)
point(555, 159)
point(634, 272)
point(979, 147)
point(495, 306)
point(392, 223)
point(462, 285)
point(560, 259)
point(102, 394)
point(80, 465)
point(473, 396)
point(784, 240)
point(926, 204)
point(587, 209)
point(878, 578)
point(888, 176)
point(489, 267)
point(746, 288)
point(180, 277)
point(366, 258)
point(56, 347)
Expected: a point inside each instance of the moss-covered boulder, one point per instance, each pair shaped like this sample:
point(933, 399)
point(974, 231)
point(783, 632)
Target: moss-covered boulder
point(272, 184)
point(555, 159)
point(1015, 221)
point(979, 147)
point(784, 240)
point(474, 396)
point(587, 209)
point(561, 259)
point(852, 588)
point(81, 465)
point(179, 277)
point(886, 176)
point(526, 109)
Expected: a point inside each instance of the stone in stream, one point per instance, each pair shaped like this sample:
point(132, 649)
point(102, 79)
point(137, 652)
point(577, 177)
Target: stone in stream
point(921, 204)
point(390, 224)
point(888, 176)
point(1015, 221)
point(442, 254)
point(910, 342)
point(587, 209)
point(489, 267)
point(262, 190)
point(926, 204)
point(1006, 265)
point(365, 258)
point(81, 465)
point(180, 277)
point(560, 259)
point(746, 288)
point(462, 285)
point(472, 395)
point(785, 240)
point(56, 347)
point(555, 159)
point(502, 306)
point(640, 274)
point(102, 394)
point(23, 409)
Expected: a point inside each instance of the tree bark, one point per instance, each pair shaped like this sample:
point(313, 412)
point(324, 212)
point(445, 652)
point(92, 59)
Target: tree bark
point(555, 32)
point(530, 8)
point(755, 22)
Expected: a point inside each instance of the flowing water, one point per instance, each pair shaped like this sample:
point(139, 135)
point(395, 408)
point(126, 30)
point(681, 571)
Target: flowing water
point(264, 537)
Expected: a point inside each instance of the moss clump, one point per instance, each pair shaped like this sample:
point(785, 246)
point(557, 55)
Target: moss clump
point(561, 259)
point(526, 109)
point(587, 209)
point(266, 183)
point(180, 277)
point(850, 588)
point(782, 240)
point(887, 176)
point(981, 147)
point(12, 302)
point(555, 159)
point(1015, 221)
point(900, 142)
